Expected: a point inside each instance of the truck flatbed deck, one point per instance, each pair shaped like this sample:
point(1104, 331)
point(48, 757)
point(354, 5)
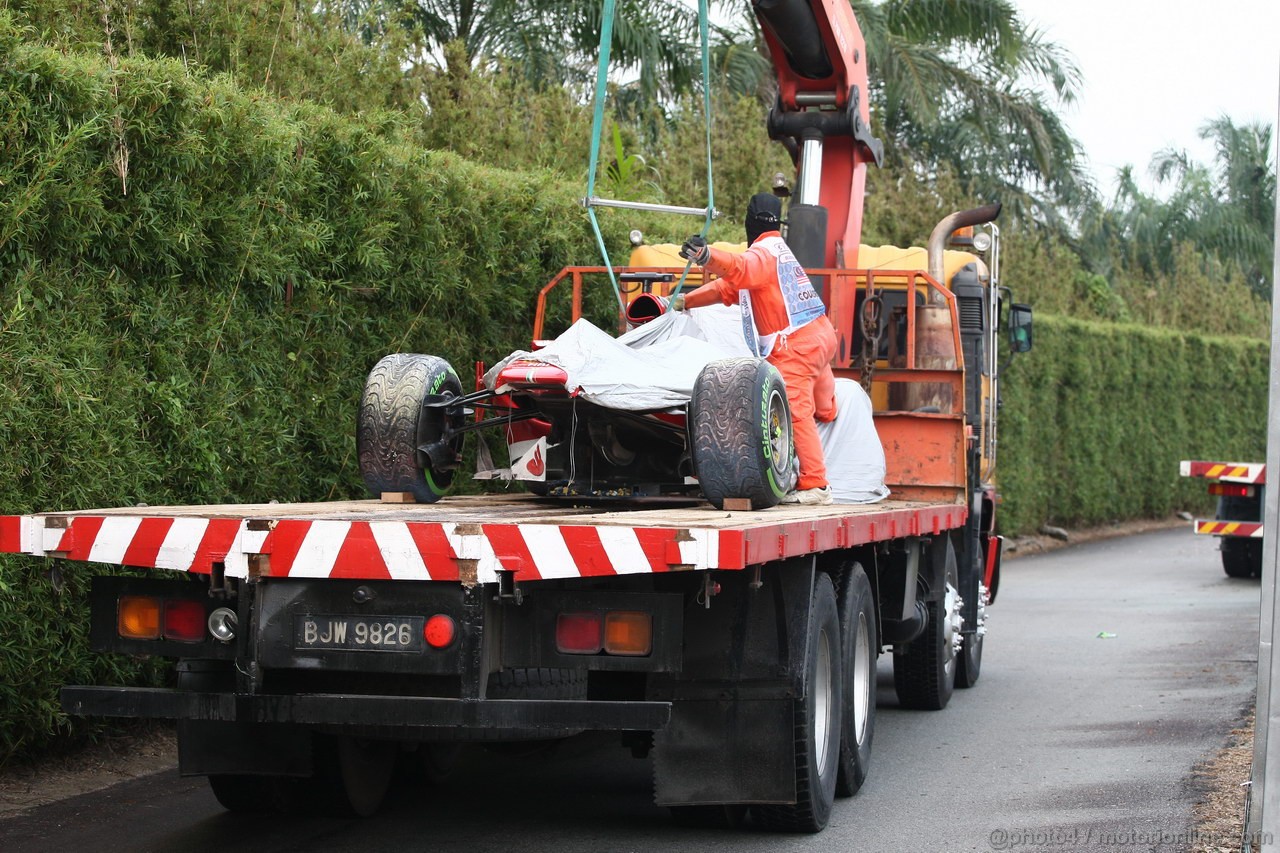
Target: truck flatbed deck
point(469, 538)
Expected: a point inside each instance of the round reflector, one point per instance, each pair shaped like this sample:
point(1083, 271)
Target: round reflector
point(439, 631)
point(223, 623)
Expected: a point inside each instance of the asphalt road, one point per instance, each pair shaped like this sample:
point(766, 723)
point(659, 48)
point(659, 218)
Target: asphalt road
point(1111, 670)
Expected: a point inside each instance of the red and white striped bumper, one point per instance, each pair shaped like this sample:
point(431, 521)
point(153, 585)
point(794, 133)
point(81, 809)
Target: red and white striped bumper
point(1251, 529)
point(266, 542)
point(1230, 472)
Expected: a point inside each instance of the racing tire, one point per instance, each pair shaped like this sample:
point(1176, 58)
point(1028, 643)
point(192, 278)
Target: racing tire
point(740, 430)
point(817, 716)
point(924, 670)
point(859, 646)
point(393, 424)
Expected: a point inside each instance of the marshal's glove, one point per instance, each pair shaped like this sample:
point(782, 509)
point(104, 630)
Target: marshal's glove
point(696, 249)
point(677, 304)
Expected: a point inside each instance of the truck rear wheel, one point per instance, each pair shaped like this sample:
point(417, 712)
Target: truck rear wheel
point(1241, 558)
point(969, 663)
point(924, 672)
point(393, 425)
point(858, 657)
point(740, 426)
point(364, 770)
point(244, 794)
point(817, 722)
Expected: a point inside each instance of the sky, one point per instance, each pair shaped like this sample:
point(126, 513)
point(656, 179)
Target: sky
point(1154, 71)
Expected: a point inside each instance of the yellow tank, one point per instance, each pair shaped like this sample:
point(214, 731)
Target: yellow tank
point(664, 255)
point(914, 258)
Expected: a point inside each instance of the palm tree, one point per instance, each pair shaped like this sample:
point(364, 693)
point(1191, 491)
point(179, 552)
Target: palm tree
point(966, 85)
point(552, 42)
point(1234, 201)
point(1226, 210)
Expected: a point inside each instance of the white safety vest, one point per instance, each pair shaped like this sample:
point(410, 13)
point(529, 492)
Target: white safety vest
point(798, 295)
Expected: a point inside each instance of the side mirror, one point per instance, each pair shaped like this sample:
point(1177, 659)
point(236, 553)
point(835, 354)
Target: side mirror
point(1019, 327)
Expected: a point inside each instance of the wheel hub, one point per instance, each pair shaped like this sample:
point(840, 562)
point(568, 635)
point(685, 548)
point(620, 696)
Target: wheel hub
point(863, 677)
point(983, 595)
point(952, 623)
point(822, 701)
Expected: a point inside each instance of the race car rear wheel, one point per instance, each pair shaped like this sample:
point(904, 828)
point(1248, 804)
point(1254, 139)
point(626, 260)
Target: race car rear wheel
point(393, 425)
point(740, 426)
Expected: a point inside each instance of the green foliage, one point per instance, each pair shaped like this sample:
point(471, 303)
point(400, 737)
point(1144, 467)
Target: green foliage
point(289, 49)
point(193, 322)
point(1095, 292)
point(502, 120)
point(1097, 417)
point(745, 159)
point(627, 176)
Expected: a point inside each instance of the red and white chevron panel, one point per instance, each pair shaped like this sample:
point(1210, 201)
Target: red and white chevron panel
point(448, 551)
point(1250, 529)
point(1231, 472)
point(396, 550)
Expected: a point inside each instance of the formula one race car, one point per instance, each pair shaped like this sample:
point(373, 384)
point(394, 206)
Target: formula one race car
point(658, 412)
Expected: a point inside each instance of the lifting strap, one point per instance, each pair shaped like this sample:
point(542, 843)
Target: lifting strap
point(597, 132)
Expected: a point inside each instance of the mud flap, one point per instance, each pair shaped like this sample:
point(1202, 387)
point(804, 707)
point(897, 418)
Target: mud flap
point(252, 748)
point(723, 751)
point(731, 736)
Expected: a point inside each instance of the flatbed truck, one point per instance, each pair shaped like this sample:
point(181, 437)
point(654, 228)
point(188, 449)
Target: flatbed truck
point(318, 646)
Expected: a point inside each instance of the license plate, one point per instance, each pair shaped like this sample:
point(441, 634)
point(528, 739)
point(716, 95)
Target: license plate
point(359, 633)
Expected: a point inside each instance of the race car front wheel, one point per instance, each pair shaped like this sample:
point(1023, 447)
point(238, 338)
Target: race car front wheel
point(740, 426)
point(400, 442)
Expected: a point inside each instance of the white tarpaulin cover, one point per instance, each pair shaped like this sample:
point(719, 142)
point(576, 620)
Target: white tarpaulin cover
point(655, 366)
point(855, 457)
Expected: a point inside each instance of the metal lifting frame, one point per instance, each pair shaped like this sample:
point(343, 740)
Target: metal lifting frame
point(591, 201)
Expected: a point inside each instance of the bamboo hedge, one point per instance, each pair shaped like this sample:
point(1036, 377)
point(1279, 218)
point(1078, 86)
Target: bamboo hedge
point(195, 279)
point(1097, 417)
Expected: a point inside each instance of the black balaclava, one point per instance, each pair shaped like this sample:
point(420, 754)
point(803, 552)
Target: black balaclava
point(764, 213)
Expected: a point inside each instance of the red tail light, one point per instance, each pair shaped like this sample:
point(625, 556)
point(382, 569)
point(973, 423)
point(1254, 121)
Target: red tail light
point(184, 620)
point(579, 633)
point(1231, 490)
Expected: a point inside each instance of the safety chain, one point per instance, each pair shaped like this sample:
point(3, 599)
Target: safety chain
point(872, 311)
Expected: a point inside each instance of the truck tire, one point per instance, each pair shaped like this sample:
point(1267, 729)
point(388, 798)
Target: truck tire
point(924, 670)
point(351, 778)
point(537, 683)
point(740, 427)
point(436, 761)
point(393, 424)
point(859, 646)
point(817, 722)
point(969, 662)
point(1241, 558)
point(241, 793)
point(729, 816)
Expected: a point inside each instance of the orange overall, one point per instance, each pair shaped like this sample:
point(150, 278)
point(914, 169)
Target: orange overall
point(802, 355)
